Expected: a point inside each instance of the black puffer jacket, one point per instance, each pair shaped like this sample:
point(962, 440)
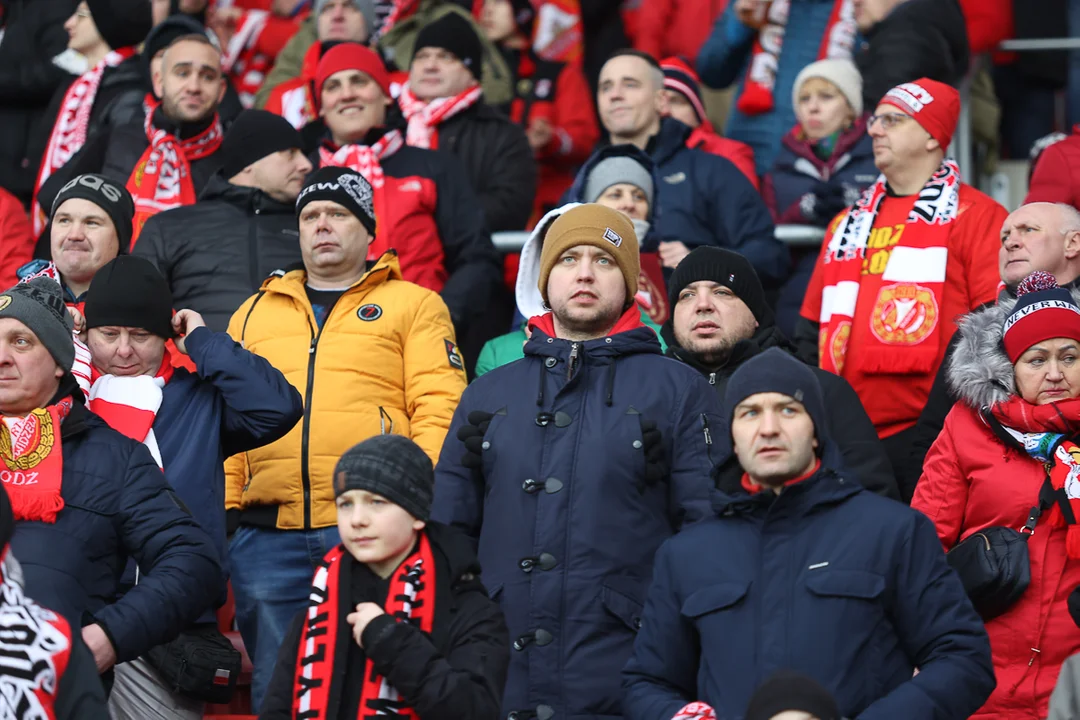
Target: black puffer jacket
point(919, 38)
point(863, 456)
point(215, 254)
point(456, 672)
point(498, 162)
point(33, 35)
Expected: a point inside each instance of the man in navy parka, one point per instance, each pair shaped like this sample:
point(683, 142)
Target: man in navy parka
point(800, 568)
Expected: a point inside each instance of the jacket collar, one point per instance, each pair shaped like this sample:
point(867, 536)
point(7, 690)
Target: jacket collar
point(796, 142)
point(248, 199)
point(630, 336)
point(293, 282)
point(671, 138)
point(764, 338)
point(823, 489)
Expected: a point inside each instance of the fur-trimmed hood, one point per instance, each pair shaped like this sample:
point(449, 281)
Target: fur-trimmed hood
point(979, 371)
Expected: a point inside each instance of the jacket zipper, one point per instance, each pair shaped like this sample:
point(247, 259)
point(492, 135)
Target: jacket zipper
point(708, 435)
point(305, 435)
point(253, 253)
point(572, 362)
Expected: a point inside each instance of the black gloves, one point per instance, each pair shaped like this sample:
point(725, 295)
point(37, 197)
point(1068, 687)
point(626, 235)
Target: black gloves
point(472, 435)
point(823, 203)
point(656, 465)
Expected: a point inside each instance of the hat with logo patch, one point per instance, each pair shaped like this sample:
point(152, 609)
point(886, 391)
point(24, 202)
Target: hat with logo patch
point(38, 304)
point(933, 104)
point(343, 186)
point(601, 227)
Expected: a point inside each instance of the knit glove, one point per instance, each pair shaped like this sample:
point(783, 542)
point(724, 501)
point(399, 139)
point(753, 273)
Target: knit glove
point(696, 711)
point(472, 435)
point(823, 203)
point(652, 444)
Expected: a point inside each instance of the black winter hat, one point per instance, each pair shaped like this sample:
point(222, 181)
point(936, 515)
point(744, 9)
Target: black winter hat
point(171, 28)
point(789, 690)
point(726, 268)
point(110, 196)
point(454, 33)
point(254, 135)
point(776, 371)
point(392, 466)
point(121, 23)
point(130, 292)
point(343, 186)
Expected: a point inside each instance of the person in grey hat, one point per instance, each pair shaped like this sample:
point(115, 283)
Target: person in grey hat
point(367, 622)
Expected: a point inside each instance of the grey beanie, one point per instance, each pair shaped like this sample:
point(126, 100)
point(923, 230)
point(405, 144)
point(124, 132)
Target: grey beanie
point(39, 305)
point(615, 170)
point(392, 466)
point(366, 8)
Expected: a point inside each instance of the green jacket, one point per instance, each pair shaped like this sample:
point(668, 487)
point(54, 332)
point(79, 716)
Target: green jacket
point(511, 346)
point(397, 47)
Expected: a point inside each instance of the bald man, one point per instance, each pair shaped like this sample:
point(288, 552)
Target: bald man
point(1037, 236)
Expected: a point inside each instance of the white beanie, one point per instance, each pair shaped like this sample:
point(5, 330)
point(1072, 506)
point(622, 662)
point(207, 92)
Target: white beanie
point(841, 73)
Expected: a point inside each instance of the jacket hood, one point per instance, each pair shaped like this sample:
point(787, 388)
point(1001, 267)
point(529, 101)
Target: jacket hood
point(768, 336)
point(979, 371)
point(670, 140)
point(823, 489)
point(527, 291)
point(248, 198)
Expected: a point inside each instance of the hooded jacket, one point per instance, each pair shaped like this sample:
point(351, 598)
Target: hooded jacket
point(862, 457)
point(457, 672)
point(565, 520)
point(216, 253)
point(972, 480)
point(384, 361)
point(828, 580)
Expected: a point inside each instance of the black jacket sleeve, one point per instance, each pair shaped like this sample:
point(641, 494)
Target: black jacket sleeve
point(507, 197)
point(79, 695)
point(277, 703)
point(929, 425)
point(471, 261)
point(465, 683)
point(33, 35)
point(806, 341)
point(853, 432)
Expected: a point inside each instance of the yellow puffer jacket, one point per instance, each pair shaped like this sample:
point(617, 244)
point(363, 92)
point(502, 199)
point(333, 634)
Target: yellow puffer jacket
point(385, 360)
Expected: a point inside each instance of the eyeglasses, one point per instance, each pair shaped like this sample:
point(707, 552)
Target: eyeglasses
point(888, 120)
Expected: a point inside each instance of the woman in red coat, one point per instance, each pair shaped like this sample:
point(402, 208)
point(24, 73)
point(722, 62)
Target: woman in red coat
point(1017, 371)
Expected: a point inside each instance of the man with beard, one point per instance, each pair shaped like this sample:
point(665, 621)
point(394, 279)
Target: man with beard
point(594, 436)
point(243, 227)
point(720, 321)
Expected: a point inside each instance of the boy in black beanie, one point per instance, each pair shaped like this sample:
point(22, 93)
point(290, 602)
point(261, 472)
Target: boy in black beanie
point(379, 635)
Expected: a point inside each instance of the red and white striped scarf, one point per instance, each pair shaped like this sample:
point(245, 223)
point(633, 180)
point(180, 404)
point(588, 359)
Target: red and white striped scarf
point(242, 61)
point(161, 179)
point(129, 405)
point(71, 126)
point(364, 159)
point(905, 324)
point(425, 117)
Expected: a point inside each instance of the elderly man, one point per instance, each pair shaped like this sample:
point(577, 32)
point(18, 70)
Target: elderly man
point(190, 421)
point(571, 466)
point(443, 103)
point(1036, 236)
point(243, 227)
point(429, 214)
point(825, 579)
point(371, 354)
point(87, 498)
point(915, 252)
point(703, 199)
point(721, 321)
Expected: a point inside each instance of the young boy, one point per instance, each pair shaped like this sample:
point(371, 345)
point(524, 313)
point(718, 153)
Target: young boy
point(399, 624)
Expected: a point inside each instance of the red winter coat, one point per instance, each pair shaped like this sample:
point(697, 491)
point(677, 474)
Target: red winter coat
point(558, 93)
point(971, 481)
point(676, 27)
point(741, 154)
point(988, 23)
point(1057, 173)
point(259, 36)
point(16, 238)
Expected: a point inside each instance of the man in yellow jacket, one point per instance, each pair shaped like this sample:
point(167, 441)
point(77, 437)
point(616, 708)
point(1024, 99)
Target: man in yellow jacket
point(371, 354)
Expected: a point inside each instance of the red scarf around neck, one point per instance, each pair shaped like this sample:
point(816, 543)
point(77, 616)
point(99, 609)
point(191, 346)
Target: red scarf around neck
point(129, 405)
point(410, 598)
point(364, 159)
point(424, 117)
point(629, 320)
point(161, 179)
point(71, 126)
point(33, 462)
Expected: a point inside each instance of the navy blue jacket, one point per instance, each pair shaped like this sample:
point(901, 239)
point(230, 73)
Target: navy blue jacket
point(576, 192)
point(706, 200)
point(827, 579)
point(566, 523)
point(117, 505)
point(235, 401)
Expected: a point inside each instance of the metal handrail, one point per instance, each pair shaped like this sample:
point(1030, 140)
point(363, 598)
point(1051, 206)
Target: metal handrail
point(1037, 44)
point(794, 235)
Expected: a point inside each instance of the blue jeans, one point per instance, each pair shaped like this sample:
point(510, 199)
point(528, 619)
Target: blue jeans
point(271, 580)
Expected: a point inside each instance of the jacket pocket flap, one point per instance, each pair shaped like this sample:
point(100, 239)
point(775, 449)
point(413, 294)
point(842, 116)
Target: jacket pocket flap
point(846, 583)
point(622, 606)
point(714, 597)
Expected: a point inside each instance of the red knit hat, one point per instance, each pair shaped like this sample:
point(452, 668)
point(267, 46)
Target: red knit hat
point(934, 105)
point(352, 56)
point(1042, 311)
point(680, 77)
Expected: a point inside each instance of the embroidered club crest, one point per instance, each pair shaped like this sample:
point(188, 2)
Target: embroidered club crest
point(904, 314)
point(5, 300)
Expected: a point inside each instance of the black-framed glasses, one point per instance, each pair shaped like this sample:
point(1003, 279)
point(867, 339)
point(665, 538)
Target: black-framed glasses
point(888, 120)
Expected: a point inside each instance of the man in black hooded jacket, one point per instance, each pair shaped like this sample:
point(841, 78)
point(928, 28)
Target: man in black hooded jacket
point(720, 320)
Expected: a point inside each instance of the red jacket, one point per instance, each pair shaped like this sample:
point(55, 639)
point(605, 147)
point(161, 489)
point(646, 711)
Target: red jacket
point(675, 27)
point(558, 93)
point(971, 481)
point(988, 23)
point(1056, 177)
point(16, 238)
point(260, 35)
point(292, 99)
point(741, 154)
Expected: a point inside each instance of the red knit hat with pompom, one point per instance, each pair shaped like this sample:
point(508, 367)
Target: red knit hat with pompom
point(1043, 311)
